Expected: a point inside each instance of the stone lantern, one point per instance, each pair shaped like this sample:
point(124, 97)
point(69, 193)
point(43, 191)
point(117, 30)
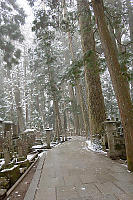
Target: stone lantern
point(110, 128)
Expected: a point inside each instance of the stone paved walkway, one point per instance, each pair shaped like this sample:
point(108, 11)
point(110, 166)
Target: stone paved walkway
point(72, 173)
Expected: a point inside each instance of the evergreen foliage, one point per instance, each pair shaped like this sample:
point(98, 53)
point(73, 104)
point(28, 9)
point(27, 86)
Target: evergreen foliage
point(11, 18)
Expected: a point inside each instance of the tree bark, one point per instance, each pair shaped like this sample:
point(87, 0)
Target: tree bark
point(95, 98)
point(80, 118)
point(19, 109)
point(54, 92)
point(74, 108)
point(118, 80)
point(130, 18)
point(83, 108)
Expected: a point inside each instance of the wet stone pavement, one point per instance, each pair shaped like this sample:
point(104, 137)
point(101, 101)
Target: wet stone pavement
point(70, 172)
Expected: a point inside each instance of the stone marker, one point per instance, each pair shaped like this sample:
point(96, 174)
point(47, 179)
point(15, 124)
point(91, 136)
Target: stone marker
point(48, 137)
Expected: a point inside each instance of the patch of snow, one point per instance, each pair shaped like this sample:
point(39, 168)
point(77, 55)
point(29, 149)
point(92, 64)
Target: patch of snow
point(58, 145)
point(29, 130)
point(2, 162)
point(1, 120)
point(125, 165)
point(21, 170)
point(83, 188)
point(94, 147)
point(5, 170)
point(8, 122)
point(37, 146)
point(129, 171)
point(48, 129)
point(22, 161)
point(30, 156)
point(41, 154)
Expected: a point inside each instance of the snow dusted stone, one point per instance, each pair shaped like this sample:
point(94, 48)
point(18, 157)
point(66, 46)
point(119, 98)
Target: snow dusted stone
point(110, 127)
point(29, 131)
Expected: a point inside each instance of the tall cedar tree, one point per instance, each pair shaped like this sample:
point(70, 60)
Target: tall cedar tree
point(119, 81)
point(95, 98)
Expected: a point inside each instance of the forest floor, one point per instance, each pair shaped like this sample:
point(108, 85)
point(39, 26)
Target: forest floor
point(19, 192)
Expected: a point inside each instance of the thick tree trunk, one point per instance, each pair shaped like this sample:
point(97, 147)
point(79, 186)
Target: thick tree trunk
point(54, 92)
point(57, 119)
point(130, 17)
point(74, 109)
point(78, 118)
point(95, 98)
point(79, 110)
point(83, 108)
point(19, 109)
point(65, 115)
point(118, 80)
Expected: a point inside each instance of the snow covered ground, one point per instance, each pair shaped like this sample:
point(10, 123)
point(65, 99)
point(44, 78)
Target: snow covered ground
point(2, 162)
point(37, 147)
point(94, 147)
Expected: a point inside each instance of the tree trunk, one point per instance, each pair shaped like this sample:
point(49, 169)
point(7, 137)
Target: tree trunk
point(130, 17)
point(95, 98)
point(57, 120)
point(54, 92)
point(74, 109)
point(19, 109)
point(76, 116)
point(118, 80)
point(83, 108)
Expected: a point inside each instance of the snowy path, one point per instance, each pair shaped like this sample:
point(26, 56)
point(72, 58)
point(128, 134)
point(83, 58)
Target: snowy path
point(70, 172)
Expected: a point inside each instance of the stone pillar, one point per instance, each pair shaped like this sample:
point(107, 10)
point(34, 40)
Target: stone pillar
point(103, 138)
point(110, 128)
point(48, 137)
point(6, 153)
